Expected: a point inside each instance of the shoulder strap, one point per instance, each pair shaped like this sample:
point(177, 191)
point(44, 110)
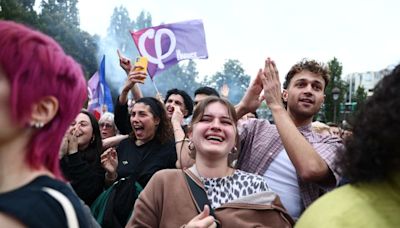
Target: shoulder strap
point(69, 210)
point(199, 195)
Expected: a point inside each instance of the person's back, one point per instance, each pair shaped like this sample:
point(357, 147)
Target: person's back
point(371, 165)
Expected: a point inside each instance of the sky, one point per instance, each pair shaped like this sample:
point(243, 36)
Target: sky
point(363, 35)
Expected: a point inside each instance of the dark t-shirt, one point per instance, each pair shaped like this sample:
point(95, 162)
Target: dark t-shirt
point(34, 207)
point(87, 178)
point(143, 161)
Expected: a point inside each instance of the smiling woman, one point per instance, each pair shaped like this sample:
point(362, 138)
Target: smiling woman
point(80, 163)
point(149, 149)
point(167, 200)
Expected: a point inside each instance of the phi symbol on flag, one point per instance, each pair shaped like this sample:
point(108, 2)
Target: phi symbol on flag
point(166, 45)
point(151, 34)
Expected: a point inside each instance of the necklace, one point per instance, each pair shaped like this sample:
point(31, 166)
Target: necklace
point(229, 173)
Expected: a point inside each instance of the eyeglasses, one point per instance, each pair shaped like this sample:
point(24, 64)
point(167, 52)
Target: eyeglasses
point(106, 125)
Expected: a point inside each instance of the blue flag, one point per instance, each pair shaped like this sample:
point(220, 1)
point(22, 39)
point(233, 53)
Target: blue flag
point(99, 92)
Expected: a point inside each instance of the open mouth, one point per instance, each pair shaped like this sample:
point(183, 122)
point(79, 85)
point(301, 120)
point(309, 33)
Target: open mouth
point(138, 130)
point(170, 109)
point(215, 138)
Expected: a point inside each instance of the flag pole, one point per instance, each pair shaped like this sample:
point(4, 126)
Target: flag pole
point(155, 87)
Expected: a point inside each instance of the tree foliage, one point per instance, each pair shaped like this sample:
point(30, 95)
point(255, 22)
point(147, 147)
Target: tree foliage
point(182, 76)
point(360, 97)
point(234, 77)
point(60, 20)
point(335, 68)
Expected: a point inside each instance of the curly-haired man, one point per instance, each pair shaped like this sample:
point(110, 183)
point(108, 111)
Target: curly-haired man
point(297, 163)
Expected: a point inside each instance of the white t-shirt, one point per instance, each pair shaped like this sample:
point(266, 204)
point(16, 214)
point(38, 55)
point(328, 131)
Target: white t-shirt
point(281, 177)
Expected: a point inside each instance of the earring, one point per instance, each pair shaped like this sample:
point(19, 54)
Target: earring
point(234, 150)
point(191, 146)
point(37, 125)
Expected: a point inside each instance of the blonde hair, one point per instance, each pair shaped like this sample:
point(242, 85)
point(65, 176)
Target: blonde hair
point(319, 127)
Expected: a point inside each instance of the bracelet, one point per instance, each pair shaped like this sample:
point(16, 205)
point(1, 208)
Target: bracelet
point(178, 129)
point(182, 140)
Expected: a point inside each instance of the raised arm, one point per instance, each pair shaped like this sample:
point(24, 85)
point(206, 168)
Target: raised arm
point(252, 98)
point(308, 163)
point(181, 141)
point(127, 66)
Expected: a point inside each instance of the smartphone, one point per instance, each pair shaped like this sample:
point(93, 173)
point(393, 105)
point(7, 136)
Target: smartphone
point(141, 64)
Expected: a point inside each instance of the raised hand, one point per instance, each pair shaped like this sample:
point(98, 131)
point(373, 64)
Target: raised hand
point(177, 115)
point(124, 62)
point(202, 220)
point(252, 98)
point(73, 141)
point(109, 160)
point(271, 84)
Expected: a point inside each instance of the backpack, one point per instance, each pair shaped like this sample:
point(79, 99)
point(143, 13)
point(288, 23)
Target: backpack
point(114, 206)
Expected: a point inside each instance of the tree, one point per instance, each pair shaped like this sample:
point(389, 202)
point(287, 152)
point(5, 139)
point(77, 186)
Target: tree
point(181, 76)
point(60, 20)
point(144, 20)
point(360, 97)
point(335, 68)
point(234, 77)
point(20, 11)
point(118, 31)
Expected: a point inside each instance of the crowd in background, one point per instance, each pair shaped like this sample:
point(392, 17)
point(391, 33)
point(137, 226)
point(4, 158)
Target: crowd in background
point(174, 161)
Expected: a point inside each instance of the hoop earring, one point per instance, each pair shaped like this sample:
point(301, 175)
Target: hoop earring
point(233, 151)
point(192, 150)
point(191, 146)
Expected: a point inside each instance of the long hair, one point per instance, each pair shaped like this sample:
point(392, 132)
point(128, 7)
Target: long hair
point(36, 67)
point(164, 129)
point(198, 115)
point(94, 150)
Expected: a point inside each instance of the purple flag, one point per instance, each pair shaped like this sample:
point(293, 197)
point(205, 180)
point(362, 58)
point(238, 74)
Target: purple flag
point(95, 95)
point(165, 45)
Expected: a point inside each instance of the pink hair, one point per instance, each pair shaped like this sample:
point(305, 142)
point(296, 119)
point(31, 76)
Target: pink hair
point(36, 66)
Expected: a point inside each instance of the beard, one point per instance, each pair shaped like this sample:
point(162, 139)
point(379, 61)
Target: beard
point(303, 113)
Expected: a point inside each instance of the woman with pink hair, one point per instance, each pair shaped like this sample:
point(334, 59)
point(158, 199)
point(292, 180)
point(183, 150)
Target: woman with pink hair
point(41, 91)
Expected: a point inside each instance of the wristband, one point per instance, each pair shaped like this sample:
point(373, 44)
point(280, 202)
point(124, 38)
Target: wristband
point(182, 140)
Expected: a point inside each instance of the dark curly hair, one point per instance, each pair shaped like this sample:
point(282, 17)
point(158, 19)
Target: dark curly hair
point(373, 152)
point(187, 100)
point(164, 130)
point(310, 65)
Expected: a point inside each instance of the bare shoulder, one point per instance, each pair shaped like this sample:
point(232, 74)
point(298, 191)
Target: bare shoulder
point(8, 221)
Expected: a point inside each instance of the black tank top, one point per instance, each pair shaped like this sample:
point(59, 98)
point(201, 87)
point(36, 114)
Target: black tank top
point(33, 207)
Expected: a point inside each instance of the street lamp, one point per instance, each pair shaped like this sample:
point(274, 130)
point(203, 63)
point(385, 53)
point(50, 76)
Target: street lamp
point(335, 96)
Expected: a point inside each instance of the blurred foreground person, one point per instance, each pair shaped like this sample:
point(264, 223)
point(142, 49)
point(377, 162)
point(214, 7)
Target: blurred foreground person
point(233, 198)
point(371, 163)
point(33, 119)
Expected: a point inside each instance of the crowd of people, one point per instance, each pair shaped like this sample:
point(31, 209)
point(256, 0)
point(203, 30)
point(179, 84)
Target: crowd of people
point(144, 166)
